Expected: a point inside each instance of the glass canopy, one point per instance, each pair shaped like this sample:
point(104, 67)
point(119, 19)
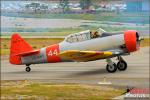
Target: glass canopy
point(83, 36)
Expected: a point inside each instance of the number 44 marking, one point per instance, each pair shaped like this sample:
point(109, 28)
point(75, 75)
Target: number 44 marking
point(51, 53)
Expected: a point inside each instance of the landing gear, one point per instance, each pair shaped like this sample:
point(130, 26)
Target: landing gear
point(121, 65)
point(111, 66)
point(28, 69)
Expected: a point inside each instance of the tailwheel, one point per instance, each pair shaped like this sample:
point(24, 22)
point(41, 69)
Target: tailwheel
point(28, 69)
point(111, 68)
point(122, 65)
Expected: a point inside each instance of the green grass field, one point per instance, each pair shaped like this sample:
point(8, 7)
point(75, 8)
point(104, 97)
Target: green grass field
point(67, 31)
point(140, 17)
point(31, 91)
point(145, 42)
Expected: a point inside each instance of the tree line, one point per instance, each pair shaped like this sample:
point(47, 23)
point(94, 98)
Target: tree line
point(63, 4)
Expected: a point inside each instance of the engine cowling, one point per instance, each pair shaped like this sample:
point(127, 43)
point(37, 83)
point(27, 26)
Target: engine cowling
point(131, 38)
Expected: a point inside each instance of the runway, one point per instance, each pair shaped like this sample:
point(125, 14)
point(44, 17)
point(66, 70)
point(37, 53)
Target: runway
point(136, 75)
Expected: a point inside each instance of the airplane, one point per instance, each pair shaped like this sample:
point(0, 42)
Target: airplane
point(78, 47)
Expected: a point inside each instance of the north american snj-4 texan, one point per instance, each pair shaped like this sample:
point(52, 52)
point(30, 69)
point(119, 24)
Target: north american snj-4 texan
point(79, 47)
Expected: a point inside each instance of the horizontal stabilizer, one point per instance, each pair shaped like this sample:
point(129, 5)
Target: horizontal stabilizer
point(28, 53)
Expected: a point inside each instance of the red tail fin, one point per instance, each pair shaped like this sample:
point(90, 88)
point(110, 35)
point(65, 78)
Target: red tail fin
point(18, 45)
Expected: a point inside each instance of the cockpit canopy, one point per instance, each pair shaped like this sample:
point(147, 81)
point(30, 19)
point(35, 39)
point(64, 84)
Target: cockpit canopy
point(78, 37)
point(84, 36)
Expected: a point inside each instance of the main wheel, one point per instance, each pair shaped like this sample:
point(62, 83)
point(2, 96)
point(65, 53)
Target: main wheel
point(122, 65)
point(111, 68)
point(28, 69)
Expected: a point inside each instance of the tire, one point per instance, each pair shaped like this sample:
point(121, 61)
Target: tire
point(122, 65)
point(111, 68)
point(28, 69)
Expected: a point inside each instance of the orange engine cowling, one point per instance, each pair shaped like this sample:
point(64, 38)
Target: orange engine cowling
point(131, 38)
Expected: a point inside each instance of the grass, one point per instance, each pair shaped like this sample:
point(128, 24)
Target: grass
point(37, 43)
point(40, 32)
point(66, 31)
point(140, 17)
point(145, 42)
point(4, 52)
point(47, 91)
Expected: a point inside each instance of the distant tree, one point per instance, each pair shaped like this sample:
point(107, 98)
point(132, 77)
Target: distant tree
point(27, 6)
point(44, 7)
point(85, 4)
point(34, 6)
point(95, 6)
point(64, 4)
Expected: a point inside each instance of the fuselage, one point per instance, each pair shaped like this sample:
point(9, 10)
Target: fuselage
point(50, 54)
point(22, 53)
point(80, 47)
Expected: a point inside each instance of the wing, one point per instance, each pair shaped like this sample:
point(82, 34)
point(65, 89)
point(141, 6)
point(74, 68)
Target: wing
point(83, 56)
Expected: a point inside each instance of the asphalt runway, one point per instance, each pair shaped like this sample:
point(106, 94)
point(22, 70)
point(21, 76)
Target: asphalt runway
point(136, 75)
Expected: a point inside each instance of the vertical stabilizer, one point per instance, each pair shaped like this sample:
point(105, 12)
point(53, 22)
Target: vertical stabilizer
point(18, 45)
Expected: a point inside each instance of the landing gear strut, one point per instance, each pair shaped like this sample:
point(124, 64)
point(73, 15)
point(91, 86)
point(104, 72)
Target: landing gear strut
point(112, 67)
point(28, 69)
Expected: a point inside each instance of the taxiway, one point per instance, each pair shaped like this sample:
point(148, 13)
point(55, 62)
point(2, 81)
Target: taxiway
point(136, 75)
